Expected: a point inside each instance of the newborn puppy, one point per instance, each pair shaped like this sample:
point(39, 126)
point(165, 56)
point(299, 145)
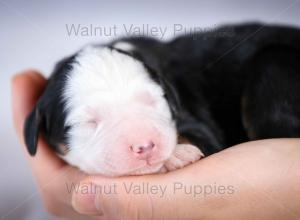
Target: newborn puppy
point(104, 113)
point(139, 106)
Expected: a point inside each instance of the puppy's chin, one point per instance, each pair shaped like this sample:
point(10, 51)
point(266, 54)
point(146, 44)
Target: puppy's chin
point(141, 171)
point(147, 169)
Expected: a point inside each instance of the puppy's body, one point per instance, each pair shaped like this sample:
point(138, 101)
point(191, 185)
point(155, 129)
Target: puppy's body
point(232, 88)
point(215, 91)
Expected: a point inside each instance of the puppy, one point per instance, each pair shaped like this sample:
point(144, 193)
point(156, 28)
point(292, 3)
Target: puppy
point(138, 106)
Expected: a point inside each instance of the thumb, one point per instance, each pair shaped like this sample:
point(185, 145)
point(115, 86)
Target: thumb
point(143, 197)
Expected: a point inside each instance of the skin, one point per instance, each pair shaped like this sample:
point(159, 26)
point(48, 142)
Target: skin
point(264, 177)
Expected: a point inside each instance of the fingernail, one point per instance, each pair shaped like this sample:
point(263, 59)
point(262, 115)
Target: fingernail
point(84, 201)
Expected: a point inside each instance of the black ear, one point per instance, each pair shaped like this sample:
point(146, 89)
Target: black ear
point(32, 128)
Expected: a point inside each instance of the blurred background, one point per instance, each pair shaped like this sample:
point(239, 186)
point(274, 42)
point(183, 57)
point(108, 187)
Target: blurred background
point(36, 34)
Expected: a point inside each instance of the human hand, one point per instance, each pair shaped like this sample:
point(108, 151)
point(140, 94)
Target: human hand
point(264, 176)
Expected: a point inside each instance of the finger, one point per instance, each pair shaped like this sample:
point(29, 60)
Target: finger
point(26, 89)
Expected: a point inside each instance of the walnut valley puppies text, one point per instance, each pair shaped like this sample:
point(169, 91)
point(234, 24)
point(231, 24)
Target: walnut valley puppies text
point(148, 188)
point(160, 32)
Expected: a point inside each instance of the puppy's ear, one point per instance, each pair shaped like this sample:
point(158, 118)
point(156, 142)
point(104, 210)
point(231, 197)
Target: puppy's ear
point(32, 128)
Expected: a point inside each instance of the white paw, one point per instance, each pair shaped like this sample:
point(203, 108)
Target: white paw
point(183, 155)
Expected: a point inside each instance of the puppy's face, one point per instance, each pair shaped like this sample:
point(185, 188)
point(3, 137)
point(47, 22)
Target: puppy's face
point(118, 117)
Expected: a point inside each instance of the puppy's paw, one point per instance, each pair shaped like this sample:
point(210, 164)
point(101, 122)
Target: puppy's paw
point(183, 155)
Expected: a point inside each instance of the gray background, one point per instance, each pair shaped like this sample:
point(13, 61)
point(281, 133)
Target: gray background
point(33, 34)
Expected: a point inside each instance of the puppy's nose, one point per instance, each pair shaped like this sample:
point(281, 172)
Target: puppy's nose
point(142, 151)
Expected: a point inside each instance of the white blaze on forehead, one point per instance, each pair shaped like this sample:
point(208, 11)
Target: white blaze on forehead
point(101, 74)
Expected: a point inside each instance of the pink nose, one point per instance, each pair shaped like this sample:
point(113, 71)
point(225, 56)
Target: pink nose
point(142, 151)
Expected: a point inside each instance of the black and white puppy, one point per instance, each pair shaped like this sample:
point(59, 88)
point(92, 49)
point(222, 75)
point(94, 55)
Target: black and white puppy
point(138, 106)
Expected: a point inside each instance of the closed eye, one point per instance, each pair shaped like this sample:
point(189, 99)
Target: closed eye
point(93, 117)
point(90, 123)
point(93, 123)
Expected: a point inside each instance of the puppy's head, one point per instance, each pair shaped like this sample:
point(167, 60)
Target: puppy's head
point(116, 117)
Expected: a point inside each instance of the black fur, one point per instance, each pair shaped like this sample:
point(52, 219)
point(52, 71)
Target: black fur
point(222, 89)
point(212, 74)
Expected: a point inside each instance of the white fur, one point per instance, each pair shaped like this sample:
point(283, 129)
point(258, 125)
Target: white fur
point(112, 103)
